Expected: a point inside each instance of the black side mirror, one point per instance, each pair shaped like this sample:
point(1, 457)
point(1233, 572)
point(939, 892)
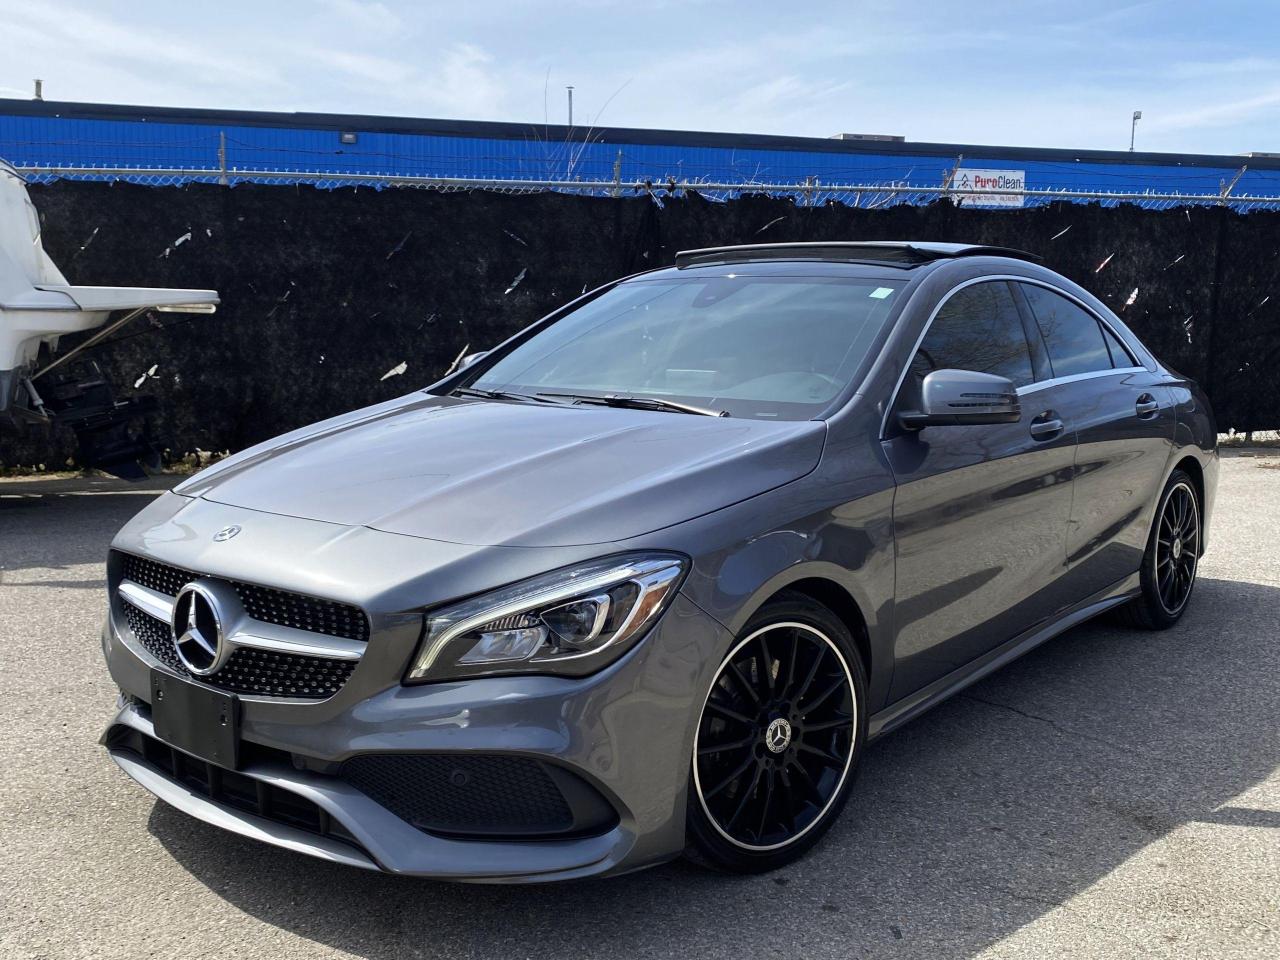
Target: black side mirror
point(959, 397)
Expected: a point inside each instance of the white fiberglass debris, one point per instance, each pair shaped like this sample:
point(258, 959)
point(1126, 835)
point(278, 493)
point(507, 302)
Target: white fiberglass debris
point(1176, 260)
point(519, 240)
point(1061, 232)
point(516, 282)
point(1132, 297)
point(1104, 263)
point(182, 239)
point(395, 371)
point(149, 374)
point(770, 224)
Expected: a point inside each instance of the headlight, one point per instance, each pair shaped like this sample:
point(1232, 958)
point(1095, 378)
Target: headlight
point(572, 621)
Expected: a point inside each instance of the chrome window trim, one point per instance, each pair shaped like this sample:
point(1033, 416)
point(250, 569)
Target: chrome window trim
point(1076, 377)
point(1031, 387)
point(1133, 354)
point(243, 631)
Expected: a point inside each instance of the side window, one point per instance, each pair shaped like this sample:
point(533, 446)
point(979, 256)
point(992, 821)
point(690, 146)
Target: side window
point(1073, 335)
point(980, 329)
point(1120, 355)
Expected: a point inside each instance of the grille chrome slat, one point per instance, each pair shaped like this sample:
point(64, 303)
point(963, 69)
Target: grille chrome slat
point(267, 604)
point(281, 644)
point(249, 671)
point(247, 632)
point(150, 602)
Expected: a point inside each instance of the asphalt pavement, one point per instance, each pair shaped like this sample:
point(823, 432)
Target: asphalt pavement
point(1113, 794)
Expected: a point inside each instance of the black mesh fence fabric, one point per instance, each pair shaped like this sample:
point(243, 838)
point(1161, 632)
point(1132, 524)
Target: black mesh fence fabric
point(333, 300)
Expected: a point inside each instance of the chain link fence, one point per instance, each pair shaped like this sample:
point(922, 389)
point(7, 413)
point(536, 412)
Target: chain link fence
point(810, 192)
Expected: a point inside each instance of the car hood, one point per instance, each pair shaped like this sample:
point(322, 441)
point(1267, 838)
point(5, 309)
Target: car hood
point(490, 473)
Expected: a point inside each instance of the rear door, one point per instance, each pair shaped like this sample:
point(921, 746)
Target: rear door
point(1124, 422)
point(980, 512)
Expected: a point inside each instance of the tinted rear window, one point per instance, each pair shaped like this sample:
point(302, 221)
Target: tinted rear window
point(1072, 334)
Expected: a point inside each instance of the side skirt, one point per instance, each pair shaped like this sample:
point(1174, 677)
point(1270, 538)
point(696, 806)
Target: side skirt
point(913, 705)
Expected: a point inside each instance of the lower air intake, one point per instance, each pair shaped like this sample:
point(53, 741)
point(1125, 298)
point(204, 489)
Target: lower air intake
point(481, 796)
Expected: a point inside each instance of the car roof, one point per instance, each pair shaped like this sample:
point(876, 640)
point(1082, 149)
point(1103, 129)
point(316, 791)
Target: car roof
point(895, 253)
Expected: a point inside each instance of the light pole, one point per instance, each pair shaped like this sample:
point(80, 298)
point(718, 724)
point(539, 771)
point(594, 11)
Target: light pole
point(1133, 128)
point(570, 89)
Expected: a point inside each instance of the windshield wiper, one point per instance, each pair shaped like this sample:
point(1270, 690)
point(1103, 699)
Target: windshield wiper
point(495, 395)
point(640, 403)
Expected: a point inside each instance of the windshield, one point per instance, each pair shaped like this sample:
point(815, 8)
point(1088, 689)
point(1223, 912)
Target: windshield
point(758, 347)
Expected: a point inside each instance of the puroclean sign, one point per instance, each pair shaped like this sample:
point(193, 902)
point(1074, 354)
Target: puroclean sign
point(989, 188)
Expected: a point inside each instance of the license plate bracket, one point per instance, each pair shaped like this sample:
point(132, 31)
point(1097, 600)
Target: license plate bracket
point(197, 720)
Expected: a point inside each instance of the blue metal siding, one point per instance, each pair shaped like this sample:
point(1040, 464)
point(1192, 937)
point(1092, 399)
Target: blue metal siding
point(68, 142)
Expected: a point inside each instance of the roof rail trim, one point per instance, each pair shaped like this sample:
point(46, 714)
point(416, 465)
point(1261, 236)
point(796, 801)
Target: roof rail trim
point(899, 253)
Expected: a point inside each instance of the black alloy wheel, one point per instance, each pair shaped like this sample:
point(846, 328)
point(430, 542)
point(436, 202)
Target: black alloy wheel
point(1172, 558)
point(1177, 548)
point(777, 739)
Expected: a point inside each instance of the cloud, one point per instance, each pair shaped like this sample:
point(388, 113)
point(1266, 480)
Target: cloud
point(69, 31)
point(466, 82)
point(1221, 114)
point(372, 16)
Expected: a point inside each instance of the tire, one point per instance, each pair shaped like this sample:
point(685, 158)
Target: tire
point(1168, 574)
point(776, 751)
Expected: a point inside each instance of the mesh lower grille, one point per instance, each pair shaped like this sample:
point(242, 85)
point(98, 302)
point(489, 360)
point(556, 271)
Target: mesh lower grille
point(263, 673)
point(464, 794)
point(286, 609)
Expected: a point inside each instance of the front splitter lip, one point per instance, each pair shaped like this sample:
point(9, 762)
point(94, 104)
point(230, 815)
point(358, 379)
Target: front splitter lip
point(389, 844)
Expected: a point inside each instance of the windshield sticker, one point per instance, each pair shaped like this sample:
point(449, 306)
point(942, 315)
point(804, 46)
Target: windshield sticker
point(879, 293)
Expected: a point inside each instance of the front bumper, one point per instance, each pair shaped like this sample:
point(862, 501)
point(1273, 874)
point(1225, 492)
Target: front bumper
point(626, 731)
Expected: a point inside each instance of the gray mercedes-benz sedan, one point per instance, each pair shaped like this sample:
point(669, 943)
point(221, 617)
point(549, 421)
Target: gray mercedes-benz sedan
point(644, 579)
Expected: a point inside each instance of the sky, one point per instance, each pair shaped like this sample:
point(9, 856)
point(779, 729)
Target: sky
point(1206, 75)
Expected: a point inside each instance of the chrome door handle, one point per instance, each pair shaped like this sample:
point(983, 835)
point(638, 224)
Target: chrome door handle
point(1147, 406)
point(1046, 426)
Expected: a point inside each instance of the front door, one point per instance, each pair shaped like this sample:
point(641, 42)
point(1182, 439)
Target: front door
point(981, 511)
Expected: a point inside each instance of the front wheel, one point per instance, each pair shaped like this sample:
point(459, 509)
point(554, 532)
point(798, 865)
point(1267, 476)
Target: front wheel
point(1171, 559)
point(778, 739)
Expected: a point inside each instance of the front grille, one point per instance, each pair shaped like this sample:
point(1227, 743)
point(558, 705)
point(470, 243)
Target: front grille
point(156, 636)
point(476, 795)
point(273, 674)
point(269, 605)
point(264, 673)
point(233, 789)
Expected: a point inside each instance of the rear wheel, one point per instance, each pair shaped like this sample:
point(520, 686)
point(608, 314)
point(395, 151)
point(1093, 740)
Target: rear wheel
point(778, 739)
point(1171, 560)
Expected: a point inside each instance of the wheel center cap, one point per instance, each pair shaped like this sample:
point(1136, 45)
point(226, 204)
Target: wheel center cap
point(1177, 549)
point(778, 736)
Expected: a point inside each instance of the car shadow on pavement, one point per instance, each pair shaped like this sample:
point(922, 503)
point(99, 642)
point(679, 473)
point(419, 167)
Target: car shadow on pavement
point(965, 825)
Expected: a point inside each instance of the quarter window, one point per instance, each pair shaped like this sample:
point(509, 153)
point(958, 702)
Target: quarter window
point(979, 329)
point(1072, 335)
point(1120, 355)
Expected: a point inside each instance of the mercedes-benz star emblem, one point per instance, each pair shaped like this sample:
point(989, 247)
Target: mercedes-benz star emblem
point(778, 737)
point(226, 533)
point(197, 630)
